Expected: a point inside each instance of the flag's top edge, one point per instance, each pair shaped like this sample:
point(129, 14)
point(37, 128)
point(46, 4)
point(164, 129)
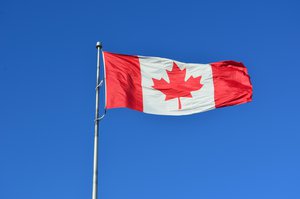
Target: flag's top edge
point(225, 62)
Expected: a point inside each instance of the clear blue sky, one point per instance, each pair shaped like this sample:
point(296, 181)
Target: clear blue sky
point(47, 98)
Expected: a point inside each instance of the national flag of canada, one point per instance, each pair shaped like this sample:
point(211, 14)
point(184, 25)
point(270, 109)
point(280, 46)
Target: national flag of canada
point(167, 87)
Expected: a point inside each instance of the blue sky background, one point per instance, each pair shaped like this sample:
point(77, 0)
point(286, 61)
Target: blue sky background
point(47, 80)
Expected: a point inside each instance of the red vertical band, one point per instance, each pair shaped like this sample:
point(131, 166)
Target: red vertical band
point(123, 81)
point(231, 83)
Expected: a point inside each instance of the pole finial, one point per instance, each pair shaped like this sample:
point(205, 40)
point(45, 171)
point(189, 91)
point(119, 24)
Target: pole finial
point(99, 44)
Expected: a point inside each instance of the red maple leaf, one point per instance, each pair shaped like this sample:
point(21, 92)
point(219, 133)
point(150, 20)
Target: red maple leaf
point(177, 87)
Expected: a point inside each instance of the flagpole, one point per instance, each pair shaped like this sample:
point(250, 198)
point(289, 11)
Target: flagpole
point(96, 136)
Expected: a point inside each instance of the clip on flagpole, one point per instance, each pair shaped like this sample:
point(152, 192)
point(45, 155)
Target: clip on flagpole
point(98, 118)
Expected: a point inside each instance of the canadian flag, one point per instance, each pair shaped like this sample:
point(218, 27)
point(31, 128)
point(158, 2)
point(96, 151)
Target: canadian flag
point(166, 87)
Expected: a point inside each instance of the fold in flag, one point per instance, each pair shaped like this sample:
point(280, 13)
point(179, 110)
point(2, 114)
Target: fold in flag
point(167, 87)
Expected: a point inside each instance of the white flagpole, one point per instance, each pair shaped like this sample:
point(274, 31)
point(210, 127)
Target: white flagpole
point(97, 120)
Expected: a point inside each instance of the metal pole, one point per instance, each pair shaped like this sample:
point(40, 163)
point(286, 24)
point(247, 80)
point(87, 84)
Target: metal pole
point(96, 140)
